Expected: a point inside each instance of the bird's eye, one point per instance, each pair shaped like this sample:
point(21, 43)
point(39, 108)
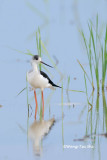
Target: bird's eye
point(36, 57)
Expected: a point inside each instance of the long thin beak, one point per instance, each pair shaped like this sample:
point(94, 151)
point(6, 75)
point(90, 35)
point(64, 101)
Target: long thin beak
point(46, 64)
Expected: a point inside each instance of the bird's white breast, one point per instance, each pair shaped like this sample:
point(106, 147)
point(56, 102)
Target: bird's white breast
point(36, 80)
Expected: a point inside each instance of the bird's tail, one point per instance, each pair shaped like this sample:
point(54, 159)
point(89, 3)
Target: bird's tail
point(56, 86)
point(53, 86)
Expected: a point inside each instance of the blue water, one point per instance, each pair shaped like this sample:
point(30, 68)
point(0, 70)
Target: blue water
point(59, 22)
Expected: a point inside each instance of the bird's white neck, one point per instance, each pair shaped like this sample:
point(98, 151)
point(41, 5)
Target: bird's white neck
point(35, 67)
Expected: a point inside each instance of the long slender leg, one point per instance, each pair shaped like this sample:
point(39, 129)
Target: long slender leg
point(42, 106)
point(36, 104)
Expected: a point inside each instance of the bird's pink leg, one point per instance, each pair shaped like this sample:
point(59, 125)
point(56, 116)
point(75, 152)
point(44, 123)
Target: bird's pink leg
point(43, 106)
point(36, 104)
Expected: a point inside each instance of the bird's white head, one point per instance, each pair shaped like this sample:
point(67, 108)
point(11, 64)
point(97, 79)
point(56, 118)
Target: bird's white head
point(37, 60)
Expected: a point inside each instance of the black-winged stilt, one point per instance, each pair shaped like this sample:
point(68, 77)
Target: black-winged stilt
point(39, 79)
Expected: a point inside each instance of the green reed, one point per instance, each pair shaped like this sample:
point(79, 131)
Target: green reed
point(68, 82)
point(93, 121)
point(86, 74)
point(93, 52)
point(88, 102)
point(38, 43)
point(104, 112)
point(89, 54)
point(104, 59)
point(27, 95)
point(62, 116)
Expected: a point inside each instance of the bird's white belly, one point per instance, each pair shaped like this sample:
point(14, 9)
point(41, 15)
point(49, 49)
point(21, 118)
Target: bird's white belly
point(37, 80)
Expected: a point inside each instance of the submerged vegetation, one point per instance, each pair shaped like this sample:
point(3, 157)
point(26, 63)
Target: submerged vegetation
point(96, 50)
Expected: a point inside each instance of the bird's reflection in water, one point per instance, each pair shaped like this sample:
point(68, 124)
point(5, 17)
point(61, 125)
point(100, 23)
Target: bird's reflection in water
point(37, 131)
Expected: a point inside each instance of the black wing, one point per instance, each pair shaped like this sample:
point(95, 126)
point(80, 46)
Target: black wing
point(46, 76)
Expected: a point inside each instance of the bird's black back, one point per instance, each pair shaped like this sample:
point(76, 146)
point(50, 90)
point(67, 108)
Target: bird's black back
point(46, 76)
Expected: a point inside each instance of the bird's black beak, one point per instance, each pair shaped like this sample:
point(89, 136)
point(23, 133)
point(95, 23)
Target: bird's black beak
point(46, 64)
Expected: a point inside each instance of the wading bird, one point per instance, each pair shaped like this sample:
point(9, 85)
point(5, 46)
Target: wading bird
point(39, 79)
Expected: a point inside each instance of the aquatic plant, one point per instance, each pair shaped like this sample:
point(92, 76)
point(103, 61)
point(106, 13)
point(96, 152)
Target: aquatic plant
point(104, 60)
point(93, 54)
point(38, 43)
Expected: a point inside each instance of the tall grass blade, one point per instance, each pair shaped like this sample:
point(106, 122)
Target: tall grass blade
point(27, 94)
point(85, 73)
point(38, 43)
point(38, 12)
point(85, 42)
point(21, 91)
point(74, 90)
point(104, 61)
point(27, 53)
point(37, 40)
point(87, 94)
